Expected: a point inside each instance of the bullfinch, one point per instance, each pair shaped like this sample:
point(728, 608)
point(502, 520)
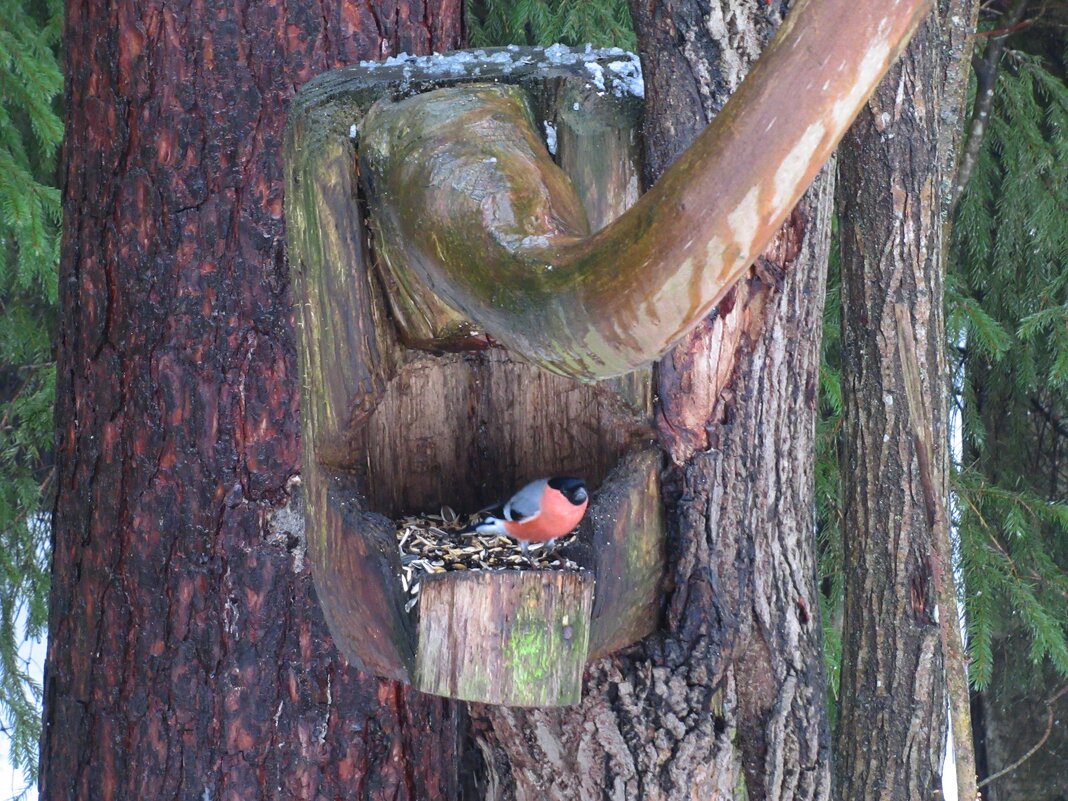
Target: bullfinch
point(540, 512)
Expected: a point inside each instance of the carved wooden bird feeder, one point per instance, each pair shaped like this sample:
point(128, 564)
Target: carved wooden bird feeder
point(479, 291)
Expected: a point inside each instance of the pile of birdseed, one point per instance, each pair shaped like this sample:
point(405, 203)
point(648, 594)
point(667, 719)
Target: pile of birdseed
point(433, 544)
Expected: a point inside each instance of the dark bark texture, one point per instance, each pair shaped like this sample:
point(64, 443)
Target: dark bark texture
point(187, 655)
point(739, 660)
point(895, 167)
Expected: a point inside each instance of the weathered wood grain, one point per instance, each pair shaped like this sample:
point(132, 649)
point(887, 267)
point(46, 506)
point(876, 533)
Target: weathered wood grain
point(347, 348)
point(622, 542)
point(389, 430)
point(516, 638)
point(597, 147)
point(468, 429)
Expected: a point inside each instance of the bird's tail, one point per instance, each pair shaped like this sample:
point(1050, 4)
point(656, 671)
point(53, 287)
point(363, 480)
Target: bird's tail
point(487, 525)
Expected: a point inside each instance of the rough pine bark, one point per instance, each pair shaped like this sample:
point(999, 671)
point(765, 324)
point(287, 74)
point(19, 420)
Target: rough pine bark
point(187, 656)
point(895, 174)
point(740, 657)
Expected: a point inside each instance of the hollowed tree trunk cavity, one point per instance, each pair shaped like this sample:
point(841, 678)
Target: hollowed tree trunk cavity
point(390, 430)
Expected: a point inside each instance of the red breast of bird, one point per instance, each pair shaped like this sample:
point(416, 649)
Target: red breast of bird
point(543, 510)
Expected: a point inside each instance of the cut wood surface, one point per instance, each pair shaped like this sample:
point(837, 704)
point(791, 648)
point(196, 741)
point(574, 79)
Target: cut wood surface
point(468, 430)
point(517, 638)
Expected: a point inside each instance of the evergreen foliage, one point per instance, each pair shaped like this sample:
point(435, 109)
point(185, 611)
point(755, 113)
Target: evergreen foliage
point(30, 133)
point(602, 23)
point(1008, 305)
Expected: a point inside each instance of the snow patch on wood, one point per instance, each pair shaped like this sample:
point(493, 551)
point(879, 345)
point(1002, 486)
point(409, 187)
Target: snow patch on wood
point(628, 74)
point(596, 72)
point(623, 75)
point(550, 137)
point(285, 525)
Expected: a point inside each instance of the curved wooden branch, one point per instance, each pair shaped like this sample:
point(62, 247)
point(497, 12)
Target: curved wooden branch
point(463, 191)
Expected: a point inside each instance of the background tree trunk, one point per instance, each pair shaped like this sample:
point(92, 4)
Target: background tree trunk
point(740, 658)
point(1025, 703)
point(895, 171)
point(187, 655)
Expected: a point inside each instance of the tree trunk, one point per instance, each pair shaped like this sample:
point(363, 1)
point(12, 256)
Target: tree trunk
point(1025, 703)
point(894, 176)
point(1024, 706)
point(740, 657)
point(187, 655)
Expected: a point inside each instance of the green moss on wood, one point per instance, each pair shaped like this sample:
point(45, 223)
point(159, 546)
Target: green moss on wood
point(351, 363)
point(512, 638)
